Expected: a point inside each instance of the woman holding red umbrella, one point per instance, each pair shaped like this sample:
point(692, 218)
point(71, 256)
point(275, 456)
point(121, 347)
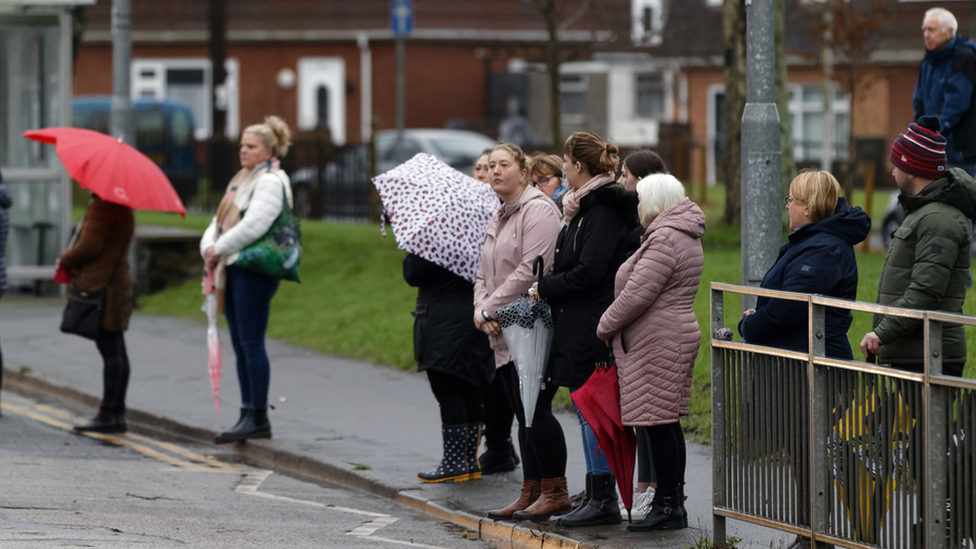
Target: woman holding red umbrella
point(99, 260)
point(655, 337)
point(244, 296)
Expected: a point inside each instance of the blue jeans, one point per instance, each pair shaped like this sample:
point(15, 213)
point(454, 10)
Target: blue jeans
point(596, 460)
point(247, 305)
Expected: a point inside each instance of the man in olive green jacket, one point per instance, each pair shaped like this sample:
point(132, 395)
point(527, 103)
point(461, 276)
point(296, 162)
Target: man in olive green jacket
point(928, 260)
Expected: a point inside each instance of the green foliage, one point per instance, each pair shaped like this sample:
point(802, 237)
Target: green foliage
point(705, 543)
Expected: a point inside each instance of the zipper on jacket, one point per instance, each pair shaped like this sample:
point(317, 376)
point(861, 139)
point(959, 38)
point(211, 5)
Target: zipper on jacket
point(576, 236)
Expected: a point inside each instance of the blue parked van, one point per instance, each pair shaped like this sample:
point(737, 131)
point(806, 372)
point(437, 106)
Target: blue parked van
point(164, 133)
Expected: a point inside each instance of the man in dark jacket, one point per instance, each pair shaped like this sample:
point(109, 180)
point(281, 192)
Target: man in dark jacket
point(946, 86)
point(928, 260)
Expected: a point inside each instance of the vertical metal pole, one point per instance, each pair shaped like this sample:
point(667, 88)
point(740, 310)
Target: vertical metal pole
point(366, 88)
point(719, 471)
point(934, 404)
point(401, 86)
point(819, 487)
point(120, 115)
point(65, 73)
point(762, 165)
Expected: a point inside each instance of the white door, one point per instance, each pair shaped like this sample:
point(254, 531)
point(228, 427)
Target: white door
point(322, 95)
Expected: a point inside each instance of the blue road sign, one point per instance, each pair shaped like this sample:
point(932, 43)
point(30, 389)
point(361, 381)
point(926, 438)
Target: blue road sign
point(401, 17)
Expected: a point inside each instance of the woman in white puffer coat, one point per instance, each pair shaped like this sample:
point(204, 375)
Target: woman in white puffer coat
point(254, 199)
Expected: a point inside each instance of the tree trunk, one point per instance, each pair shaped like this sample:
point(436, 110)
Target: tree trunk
point(782, 94)
point(734, 31)
point(548, 10)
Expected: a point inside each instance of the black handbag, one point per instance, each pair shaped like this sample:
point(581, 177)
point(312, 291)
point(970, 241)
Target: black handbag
point(83, 313)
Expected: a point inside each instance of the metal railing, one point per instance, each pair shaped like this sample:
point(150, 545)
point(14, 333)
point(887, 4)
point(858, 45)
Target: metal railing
point(845, 452)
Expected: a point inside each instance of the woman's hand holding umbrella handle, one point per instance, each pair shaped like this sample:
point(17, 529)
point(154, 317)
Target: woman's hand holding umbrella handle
point(492, 328)
point(534, 291)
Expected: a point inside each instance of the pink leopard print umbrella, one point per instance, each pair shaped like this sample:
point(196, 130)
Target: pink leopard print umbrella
point(438, 212)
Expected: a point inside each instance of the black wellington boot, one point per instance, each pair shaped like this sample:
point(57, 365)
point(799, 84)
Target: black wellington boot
point(667, 513)
point(602, 507)
point(252, 425)
point(104, 422)
point(471, 450)
point(454, 465)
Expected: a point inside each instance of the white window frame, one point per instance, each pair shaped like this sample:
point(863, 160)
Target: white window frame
point(798, 107)
point(155, 86)
point(583, 86)
point(664, 94)
point(330, 72)
point(638, 34)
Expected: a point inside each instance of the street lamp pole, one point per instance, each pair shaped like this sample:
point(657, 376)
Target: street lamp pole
point(120, 112)
point(762, 165)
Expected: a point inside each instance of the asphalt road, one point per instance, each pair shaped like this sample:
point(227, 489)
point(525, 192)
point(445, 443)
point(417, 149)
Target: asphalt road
point(59, 489)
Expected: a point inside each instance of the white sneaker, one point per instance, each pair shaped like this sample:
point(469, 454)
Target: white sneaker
point(641, 503)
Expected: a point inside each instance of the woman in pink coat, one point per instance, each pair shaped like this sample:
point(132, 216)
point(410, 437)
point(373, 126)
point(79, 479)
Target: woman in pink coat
point(655, 337)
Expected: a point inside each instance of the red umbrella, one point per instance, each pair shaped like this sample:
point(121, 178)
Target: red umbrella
point(214, 356)
point(111, 169)
point(599, 402)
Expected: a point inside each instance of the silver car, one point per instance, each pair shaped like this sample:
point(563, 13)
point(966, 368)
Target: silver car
point(457, 148)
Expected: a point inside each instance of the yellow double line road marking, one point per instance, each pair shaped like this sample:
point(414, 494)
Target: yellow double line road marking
point(64, 420)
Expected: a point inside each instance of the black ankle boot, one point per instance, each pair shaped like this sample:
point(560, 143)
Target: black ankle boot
point(499, 461)
point(580, 499)
point(454, 465)
point(246, 411)
point(667, 513)
point(104, 422)
point(601, 508)
point(254, 424)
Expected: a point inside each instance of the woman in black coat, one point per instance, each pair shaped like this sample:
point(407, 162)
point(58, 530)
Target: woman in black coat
point(458, 361)
point(598, 216)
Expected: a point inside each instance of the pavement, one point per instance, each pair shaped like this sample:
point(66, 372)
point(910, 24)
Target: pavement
point(366, 426)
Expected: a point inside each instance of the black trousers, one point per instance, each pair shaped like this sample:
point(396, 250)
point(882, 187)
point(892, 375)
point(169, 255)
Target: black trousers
point(543, 447)
point(498, 412)
point(115, 374)
point(670, 457)
point(645, 463)
point(460, 401)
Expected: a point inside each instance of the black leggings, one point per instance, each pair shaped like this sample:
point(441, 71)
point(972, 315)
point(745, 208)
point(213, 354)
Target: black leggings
point(115, 375)
point(645, 463)
point(543, 446)
point(460, 401)
point(670, 457)
point(498, 413)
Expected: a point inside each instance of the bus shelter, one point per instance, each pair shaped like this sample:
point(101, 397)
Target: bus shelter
point(35, 92)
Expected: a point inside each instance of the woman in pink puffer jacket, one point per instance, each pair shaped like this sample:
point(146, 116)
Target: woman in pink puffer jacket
point(655, 337)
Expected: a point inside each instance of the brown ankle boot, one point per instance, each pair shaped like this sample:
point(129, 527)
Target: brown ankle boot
point(531, 489)
point(554, 499)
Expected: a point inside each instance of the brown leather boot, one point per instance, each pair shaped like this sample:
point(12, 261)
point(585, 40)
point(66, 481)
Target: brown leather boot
point(531, 489)
point(554, 499)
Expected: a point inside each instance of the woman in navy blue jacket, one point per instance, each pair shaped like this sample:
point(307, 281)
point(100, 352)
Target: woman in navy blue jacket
point(818, 258)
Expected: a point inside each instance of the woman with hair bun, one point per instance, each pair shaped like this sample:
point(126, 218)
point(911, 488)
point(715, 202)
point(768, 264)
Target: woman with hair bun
point(598, 216)
point(254, 199)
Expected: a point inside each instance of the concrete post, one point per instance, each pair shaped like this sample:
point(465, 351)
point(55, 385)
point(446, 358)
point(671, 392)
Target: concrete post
point(121, 121)
point(762, 166)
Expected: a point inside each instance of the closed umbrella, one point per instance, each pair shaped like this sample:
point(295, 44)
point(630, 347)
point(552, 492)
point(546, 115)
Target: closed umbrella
point(599, 402)
point(437, 212)
point(113, 170)
point(527, 327)
point(214, 357)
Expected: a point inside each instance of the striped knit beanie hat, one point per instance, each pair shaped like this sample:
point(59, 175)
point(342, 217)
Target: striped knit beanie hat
point(921, 150)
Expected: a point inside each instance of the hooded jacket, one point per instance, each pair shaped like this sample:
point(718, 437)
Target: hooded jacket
point(818, 258)
point(926, 269)
point(588, 253)
point(946, 88)
point(651, 321)
point(515, 236)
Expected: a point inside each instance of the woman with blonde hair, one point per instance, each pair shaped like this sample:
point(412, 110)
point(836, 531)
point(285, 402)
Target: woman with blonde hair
point(524, 228)
point(254, 199)
point(818, 258)
point(546, 174)
point(652, 328)
point(598, 216)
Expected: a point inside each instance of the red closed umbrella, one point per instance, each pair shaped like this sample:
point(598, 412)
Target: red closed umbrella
point(113, 170)
point(599, 402)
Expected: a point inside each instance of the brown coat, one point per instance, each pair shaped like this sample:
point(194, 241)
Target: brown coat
point(651, 320)
point(100, 259)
